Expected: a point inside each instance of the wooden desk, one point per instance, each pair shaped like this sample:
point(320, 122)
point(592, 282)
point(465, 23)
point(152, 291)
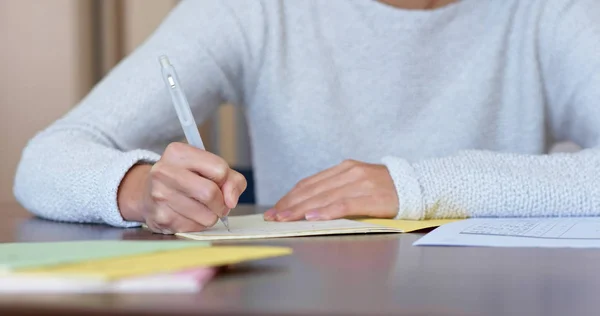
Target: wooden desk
point(353, 275)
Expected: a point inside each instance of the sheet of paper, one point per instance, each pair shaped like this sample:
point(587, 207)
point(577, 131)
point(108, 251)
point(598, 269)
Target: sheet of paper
point(160, 262)
point(580, 232)
point(180, 282)
point(254, 227)
point(23, 255)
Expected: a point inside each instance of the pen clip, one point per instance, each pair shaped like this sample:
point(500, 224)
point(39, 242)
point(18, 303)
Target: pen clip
point(171, 81)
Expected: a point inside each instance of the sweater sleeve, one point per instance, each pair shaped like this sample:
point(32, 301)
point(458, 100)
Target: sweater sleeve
point(71, 171)
point(477, 183)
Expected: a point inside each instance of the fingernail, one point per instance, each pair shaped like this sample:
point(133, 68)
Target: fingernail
point(283, 215)
point(313, 216)
point(270, 214)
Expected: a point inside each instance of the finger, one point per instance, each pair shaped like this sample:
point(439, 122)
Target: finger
point(234, 186)
point(304, 193)
point(338, 209)
point(197, 160)
point(193, 210)
point(189, 184)
point(184, 205)
point(364, 205)
point(167, 221)
point(299, 211)
point(183, 225)
point(154, 228)
point(345, 165)
point(270, 215)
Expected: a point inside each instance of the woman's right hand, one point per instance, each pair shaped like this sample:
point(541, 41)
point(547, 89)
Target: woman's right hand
point(187, 190)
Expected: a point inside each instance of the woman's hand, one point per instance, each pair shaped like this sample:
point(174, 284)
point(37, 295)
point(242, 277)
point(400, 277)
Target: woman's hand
point(188, 189)
point(351, 188)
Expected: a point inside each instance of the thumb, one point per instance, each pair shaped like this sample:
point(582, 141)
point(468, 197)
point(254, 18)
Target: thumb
point(235, 184)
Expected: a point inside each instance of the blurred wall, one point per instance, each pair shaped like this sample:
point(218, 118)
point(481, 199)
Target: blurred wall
point(52, 53)
point(141, 17)
point(46, 68)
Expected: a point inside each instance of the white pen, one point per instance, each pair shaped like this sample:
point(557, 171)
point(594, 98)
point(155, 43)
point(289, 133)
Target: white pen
point(184, 113)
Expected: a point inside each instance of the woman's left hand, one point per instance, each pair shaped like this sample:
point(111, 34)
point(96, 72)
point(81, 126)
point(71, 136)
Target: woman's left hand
point(351, 188)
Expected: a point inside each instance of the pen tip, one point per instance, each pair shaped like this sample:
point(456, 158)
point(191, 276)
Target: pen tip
point(226, 223)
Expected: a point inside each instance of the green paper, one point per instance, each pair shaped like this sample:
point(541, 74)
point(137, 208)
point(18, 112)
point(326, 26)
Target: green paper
point(14, 256)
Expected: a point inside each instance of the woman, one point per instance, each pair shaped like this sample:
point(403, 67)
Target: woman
point(394, 108)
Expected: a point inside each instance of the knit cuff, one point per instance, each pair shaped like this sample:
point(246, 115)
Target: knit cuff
point(108, 207)
point(408, 188)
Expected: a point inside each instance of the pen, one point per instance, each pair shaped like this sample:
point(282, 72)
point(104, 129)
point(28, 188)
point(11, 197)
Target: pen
point(184, 113)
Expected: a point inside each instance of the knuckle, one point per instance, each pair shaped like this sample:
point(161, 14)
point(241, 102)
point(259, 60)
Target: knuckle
point(358, 171)
point(174, 150)
point(209, 193)
point(159, 171)
point(220, 169)
point(163, 218)
point(302, 183)
point(158, 195)
point(348, 162)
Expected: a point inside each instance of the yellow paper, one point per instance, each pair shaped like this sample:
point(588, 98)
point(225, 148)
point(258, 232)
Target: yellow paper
point(408, 226)
point(255, 227)
point(162, 262)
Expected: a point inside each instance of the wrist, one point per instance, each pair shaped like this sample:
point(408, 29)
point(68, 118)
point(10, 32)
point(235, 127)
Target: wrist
point(130, 195)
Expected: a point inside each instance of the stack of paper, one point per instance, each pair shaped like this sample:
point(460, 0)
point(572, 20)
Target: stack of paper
point(118, 266)
point(186, 281)
point(254, 227)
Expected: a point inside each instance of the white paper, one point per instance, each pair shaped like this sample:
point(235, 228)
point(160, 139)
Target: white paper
point(255, 227)
point(38, 284)
point(580, 232)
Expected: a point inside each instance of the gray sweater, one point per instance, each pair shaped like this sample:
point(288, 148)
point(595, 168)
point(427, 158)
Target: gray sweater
point(461, 103)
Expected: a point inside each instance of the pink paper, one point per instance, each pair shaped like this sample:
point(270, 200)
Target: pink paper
point(201, 275)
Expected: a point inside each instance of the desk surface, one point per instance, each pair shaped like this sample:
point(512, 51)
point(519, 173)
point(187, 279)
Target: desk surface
point(351, 275)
